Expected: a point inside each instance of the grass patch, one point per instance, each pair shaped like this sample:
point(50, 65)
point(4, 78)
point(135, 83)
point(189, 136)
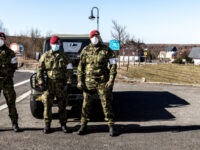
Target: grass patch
point(171, 73)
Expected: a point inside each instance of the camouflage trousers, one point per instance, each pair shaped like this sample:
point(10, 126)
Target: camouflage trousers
point(105, 96)
point(8, 90)
point(55, 90)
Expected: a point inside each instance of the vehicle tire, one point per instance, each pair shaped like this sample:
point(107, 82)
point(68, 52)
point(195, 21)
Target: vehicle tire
point(37, 108)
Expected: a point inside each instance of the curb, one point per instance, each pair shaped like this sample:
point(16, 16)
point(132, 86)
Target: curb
point(175, 84)
point(126, 79)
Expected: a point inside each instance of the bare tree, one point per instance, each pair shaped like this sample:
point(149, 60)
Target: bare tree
point(35, 33)
point(119, 33)
point(134, 46)
point(2, 28)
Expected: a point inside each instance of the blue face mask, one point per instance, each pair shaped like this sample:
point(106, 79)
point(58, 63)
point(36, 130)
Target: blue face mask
point(55, 47)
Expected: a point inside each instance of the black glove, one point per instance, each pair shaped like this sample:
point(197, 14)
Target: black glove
point(66, 88)
point(42, 88)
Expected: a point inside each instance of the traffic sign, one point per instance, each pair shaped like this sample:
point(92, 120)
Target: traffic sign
point(15, 47)
point(114, 44)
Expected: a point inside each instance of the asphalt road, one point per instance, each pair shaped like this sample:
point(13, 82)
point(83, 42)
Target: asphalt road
point(19, 77)
point(148, 117)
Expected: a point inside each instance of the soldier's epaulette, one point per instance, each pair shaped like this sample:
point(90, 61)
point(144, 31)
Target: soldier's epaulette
point(45, 54)
point(87, 49)
point(9, 50)
point(105, 47)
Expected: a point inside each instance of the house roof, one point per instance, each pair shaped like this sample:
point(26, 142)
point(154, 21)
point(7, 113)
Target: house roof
point(195, 53)
point(171, 48)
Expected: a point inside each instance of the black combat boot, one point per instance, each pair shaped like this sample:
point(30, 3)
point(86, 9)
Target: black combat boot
point(82, 130)
point(64, 127)
point(47, 128)
point(112, 130)
point(15, 127)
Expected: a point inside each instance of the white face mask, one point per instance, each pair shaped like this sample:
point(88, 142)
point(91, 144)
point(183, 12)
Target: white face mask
point(55, 47)
point(1, 42)
point(94, 40)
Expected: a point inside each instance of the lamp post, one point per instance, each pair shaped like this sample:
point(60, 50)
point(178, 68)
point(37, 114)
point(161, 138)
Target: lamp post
point(92, 17)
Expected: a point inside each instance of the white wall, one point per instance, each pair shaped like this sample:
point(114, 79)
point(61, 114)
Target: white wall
point(131, 58)
point(197, 61)
point(164, 54)
point(169, 55)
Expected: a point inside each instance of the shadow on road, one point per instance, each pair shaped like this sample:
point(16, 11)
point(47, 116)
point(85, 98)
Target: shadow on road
point(140, 106)
point(134, 128)
point(53, 129)
point(121, 129)
point(145, 106)
point(135, 106)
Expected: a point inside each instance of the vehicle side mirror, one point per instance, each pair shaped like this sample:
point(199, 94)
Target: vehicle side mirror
point(37, 56)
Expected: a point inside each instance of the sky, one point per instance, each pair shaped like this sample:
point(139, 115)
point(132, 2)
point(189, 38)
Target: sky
point(151, 21)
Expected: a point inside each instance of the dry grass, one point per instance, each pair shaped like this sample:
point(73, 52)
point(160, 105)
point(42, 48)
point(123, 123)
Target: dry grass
point(22, 60)
point(171, 73)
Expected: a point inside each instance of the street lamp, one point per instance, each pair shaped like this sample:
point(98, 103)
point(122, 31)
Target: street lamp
point(92, 17)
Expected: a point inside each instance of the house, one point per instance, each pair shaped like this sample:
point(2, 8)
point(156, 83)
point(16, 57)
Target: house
point(168, 53)
point(162, 54)
point(131, 53)
point(195, 55)
point(171, 49)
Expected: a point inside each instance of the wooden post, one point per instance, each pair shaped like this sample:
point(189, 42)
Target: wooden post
point(128, 60)
point(119, 54)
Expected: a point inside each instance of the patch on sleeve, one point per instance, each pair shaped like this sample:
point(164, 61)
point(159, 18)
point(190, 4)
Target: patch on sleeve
point(113, 61)
point(14, 60)
point(69, 66)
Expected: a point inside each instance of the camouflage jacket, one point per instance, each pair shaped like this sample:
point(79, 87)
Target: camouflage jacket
point(8, 62)
point(56, 65)
point(97, 63)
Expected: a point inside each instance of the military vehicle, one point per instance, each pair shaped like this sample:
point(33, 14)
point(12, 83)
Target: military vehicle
point(72, 45)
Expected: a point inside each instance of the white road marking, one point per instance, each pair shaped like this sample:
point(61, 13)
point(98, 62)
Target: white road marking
point(20, 98)
point(20, 83)
point(29, 71)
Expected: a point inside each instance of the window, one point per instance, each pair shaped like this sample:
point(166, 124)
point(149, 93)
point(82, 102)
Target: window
point(72, 47)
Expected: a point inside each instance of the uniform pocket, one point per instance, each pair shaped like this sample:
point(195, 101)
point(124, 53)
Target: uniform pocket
point(61, 64)
point(89, 59)
point(101, 58)
point(48, 64)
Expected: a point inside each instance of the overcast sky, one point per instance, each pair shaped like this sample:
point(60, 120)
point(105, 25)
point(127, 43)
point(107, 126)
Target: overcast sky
point(152, 21)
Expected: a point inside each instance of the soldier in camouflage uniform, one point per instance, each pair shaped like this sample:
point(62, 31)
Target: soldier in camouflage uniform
point(8, 65)
point(96, 73)
point(58, 69)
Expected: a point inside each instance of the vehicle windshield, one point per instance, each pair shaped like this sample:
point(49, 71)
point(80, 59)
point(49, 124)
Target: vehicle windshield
point(70, 45)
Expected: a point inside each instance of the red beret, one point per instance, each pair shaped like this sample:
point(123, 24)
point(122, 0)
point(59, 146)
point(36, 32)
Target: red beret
point(94, 32)
point(54, 40)
point(2, 35)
